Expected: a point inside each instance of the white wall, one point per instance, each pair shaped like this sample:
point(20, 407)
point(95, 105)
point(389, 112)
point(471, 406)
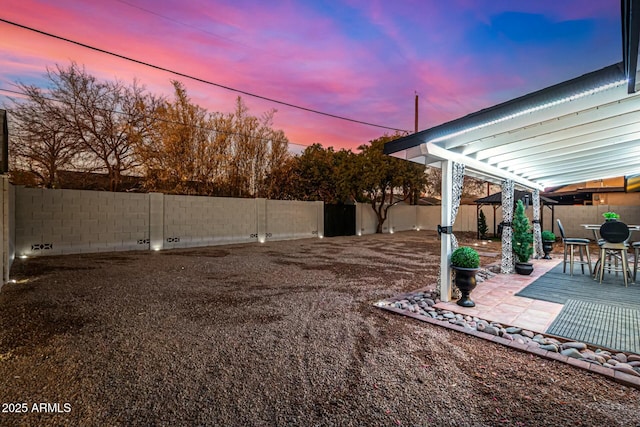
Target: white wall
point(76, 221)
point(293, 219)
point(6, 228)
point(202, 221)
point(365, 219)
point(405, 217)
point(46, 222)
point(50, 222)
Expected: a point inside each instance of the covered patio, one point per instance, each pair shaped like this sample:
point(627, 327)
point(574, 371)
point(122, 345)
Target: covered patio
point(582, 129)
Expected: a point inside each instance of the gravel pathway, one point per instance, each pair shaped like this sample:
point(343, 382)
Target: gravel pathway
point(277, 334)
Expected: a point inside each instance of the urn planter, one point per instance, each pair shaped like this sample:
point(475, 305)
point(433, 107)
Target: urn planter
point(465, 281)
point(465, 261)
point(547, 247)
point(524, 268)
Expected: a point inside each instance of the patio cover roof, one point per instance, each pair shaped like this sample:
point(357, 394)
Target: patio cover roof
point(496, 198)
point(582, 129)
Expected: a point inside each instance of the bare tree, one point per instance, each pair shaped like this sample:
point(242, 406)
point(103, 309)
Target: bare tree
point(255, 148)
point(112, 127)
point(108, 119)
point(42, 142)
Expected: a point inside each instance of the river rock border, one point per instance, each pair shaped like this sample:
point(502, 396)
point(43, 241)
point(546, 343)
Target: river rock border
point(622, 367)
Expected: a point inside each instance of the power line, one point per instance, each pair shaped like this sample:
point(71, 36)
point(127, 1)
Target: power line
point(202, 30)
point(198, 79)
point(181, 23)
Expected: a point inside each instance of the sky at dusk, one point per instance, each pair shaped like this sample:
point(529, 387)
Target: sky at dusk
point(361, 59)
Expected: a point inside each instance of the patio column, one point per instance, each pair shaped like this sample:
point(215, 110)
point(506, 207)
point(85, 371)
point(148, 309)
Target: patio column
point(452, 179)
point(537, 228)
point(507, 230)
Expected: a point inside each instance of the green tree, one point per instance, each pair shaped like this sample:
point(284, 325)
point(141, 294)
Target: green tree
point(282, 182)
point(482, 225)
point(318, 172)
point(384, 181)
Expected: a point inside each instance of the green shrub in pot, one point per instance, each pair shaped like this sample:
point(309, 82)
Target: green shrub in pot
point(548, 236)
point(465, 257)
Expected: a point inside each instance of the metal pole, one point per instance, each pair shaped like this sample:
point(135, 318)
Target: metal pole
point(416, 110)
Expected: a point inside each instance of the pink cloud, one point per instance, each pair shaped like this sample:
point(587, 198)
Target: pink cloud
point(292, 51)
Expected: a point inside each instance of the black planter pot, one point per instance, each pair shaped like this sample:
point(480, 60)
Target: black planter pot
point(547, 247)
point(466, 282)
point(524, 268)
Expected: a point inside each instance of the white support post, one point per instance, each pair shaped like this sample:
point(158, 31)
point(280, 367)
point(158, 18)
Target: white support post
point(445, 242)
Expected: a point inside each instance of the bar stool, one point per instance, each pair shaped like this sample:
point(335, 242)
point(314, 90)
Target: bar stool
point(570, 243)
point(613, 247)
point(636, 252)
point(610, 253)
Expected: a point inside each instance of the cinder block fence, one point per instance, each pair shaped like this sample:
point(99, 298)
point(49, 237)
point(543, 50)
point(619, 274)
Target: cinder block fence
point(52, 222)
point(40, 221)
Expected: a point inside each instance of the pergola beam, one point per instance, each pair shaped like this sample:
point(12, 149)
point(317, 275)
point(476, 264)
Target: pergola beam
point(484, 169)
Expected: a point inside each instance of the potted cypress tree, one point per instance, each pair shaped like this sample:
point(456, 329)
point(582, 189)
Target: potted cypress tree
point(522, 240)
point(465, 261)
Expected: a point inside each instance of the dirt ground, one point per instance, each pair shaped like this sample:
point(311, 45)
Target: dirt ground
point(275, 334)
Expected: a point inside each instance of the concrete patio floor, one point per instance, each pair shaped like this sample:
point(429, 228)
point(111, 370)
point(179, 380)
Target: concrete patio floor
point(496, 301)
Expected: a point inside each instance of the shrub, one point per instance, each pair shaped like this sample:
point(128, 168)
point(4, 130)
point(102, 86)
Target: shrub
point(482, 225)
point(465, 257)
point(522, 239)
point(549, 236)
point(611, 215)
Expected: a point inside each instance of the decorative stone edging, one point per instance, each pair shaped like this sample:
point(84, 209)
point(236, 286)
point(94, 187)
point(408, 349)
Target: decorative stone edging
point(619, 366)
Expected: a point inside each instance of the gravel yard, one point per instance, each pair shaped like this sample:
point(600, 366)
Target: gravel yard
point(275, 334)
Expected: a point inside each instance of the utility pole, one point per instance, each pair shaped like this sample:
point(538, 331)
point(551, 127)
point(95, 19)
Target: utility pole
point(416, 108)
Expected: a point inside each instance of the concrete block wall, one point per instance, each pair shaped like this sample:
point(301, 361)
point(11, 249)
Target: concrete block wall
point(405, 217)
point(191, 221)
point(466, 218)
point(53, 222)
point(6, 228)
point(573, 216)
point(47, 222)
point(290, 219)
point(366, 219)
point(401, 218)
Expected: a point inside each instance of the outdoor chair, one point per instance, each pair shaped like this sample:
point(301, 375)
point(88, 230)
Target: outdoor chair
point(613, 250)
point(570, 244)
point(636, 252)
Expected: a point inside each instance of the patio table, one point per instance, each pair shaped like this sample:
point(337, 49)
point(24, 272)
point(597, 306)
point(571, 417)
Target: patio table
point(596, 228)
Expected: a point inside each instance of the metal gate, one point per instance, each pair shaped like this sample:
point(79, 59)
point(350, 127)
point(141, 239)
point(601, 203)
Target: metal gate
point(339, 220)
